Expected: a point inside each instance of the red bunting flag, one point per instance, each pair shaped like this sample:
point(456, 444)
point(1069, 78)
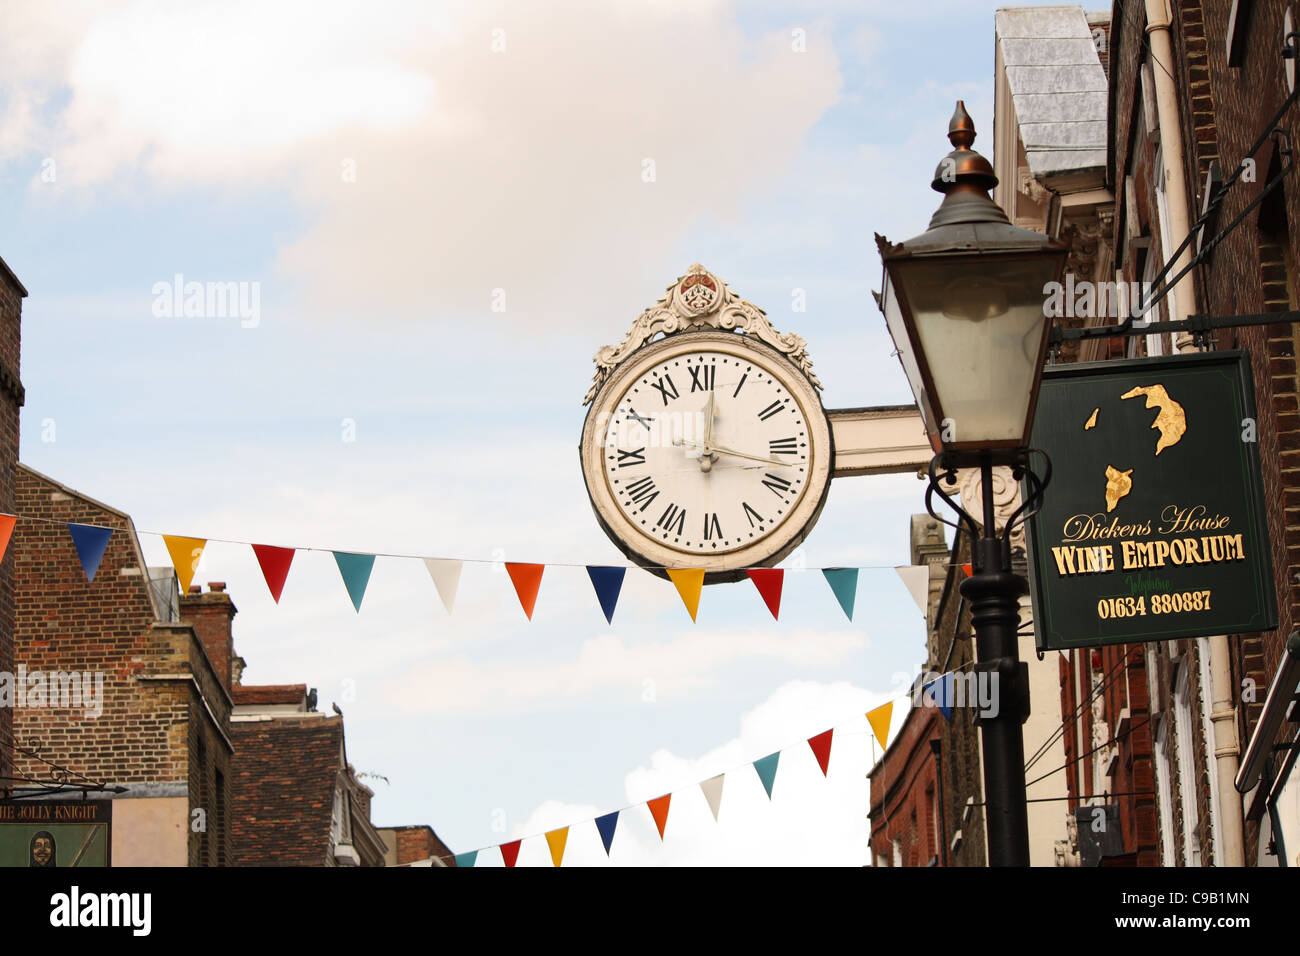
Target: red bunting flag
point(7, 523)
point(769, 581)
point(527, 579)
point(821, 748)
point(275, 566)
point(967, 569)
point(659, 810)
point(510, 852)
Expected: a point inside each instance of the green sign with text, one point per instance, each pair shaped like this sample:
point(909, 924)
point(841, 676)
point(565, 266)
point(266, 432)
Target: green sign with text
point(54, 833)
point(1153, 526)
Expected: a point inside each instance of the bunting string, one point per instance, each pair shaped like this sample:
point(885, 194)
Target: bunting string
point(879, 719)
point(355, 568)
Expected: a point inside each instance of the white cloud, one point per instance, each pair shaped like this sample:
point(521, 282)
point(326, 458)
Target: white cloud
point(809, 820)
point(475, 170)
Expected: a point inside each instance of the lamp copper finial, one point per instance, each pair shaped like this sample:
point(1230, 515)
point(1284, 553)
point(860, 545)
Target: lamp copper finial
point(961, 128)
point(964, 177)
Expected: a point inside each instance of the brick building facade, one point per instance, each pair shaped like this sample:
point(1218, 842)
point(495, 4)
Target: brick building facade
point(1157, 731)
point(162, 730)
point(12, 294)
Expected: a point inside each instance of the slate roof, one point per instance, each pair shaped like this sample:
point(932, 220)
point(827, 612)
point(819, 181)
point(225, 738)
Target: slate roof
point(1058, 87)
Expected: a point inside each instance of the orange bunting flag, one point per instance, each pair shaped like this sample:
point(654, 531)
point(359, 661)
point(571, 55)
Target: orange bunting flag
point(769, 581)
point(659, 808)
point(879, 721)
point(527, 579)
point(689, 582)
point(556, 839)
point(968, 569)
point(7, 523)
point(821, 748)
point(185, 553)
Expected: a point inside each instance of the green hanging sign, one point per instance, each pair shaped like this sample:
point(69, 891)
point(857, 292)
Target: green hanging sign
point(1153, 527)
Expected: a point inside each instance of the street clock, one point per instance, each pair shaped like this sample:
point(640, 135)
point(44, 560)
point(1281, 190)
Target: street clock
point(706, 444)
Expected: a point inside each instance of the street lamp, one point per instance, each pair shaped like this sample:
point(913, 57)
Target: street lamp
point(964, 304)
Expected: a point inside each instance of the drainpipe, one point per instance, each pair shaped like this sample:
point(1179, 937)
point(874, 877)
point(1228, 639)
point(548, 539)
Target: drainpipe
point(1171, 150)
point(1223, 714)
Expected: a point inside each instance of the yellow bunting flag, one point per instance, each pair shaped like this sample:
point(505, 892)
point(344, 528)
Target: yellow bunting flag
point(556, 839)
point(879, 721)
point(185, 554)
point(689, 583)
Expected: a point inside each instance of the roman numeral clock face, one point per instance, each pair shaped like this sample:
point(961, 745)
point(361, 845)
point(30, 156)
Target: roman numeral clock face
point(715, 456)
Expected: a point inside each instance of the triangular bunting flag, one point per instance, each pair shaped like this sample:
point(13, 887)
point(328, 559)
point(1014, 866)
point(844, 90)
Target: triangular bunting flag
point(689, 582)
point(446, 578)
point(7, 523)
point(185, 554)
point(769, 581)
point(821, 748)
point(527, 579)
point(766, 767)
point(275, 568)
point(608, 582)
point(355, 569)
point(556, 839)
point(879, 721)
point(844, 582)
point(91, 542)
point(916, 578)
point(466, 859)
point(510, 852)
point(713, 793)
point(940, 690)
point(968, 569)
point(605, 826)
point(659, 810)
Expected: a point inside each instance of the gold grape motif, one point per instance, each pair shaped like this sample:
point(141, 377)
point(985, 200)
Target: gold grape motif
point(1118, 484)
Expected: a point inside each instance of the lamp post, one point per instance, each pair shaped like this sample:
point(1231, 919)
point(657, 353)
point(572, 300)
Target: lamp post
point(964, 304)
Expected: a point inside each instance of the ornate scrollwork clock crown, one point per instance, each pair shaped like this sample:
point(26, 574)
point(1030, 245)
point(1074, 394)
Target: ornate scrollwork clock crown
point(695, 301)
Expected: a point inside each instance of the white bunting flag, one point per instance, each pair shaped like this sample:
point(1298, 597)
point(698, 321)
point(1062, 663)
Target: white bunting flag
point(916, 577)
point(713, 793)
point(446, 578)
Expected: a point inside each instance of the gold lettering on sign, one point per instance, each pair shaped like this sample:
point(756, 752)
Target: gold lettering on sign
point(1092, 422)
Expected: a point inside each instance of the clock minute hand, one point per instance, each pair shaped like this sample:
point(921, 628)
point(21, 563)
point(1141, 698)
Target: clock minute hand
point(740, 454)
point(707, 449)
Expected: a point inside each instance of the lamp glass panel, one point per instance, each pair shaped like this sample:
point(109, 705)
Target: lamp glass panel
point(981, 326)
point(906, 352)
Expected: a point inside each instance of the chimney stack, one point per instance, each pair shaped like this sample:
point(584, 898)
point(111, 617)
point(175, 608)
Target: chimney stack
point(211, 614)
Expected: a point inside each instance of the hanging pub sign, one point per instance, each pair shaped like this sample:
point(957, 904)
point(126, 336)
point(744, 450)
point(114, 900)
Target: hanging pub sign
point(53, 833)
point(1153, 526)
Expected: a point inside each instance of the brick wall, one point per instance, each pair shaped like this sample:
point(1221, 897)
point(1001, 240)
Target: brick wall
point(164, 717)
point(11, 399)
point(1248, 273)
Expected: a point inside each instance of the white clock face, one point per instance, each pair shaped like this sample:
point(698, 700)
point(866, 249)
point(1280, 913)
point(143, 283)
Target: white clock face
point(706, 452)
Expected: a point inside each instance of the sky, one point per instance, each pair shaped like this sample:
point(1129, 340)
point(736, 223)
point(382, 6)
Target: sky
point(435, 214)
